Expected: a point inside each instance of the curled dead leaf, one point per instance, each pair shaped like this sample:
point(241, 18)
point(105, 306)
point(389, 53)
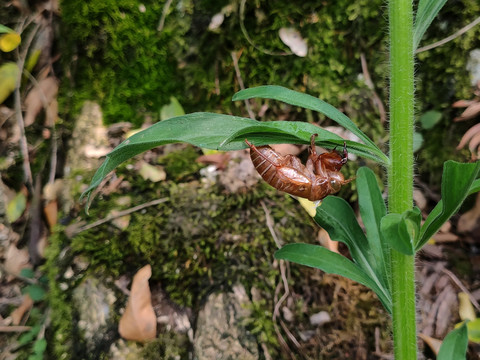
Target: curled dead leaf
point(40, 97)
point(470, 220)
point(139, 322)
point(470, 112)
point(433, 343)
point(18, 313)
point(16, 260)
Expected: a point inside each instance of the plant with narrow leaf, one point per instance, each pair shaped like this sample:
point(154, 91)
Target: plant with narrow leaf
point(383, 255)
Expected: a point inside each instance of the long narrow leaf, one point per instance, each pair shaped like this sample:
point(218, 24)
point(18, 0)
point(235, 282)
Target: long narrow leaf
point(373, 209)
point(217, 131)
point(308, 102)
point(457, 181)
point(337, 217)
point(332, 263)
point(455, 344)
point(426, 12)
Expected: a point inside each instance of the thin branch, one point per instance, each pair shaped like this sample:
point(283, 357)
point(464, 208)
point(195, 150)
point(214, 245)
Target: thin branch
point(18, 108)
point(19, 328)
point(368, 81)
point(240, 82)
point(449, 38)
point(117, 215)
point(161, 23)
point(463, 288)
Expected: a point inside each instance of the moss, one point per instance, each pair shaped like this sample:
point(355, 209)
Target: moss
point(181, 163)
point(168, 346)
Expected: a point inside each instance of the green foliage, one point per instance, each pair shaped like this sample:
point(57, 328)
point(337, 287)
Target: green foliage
point(122, 59)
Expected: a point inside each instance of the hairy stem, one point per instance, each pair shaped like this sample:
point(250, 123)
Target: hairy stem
point(400, 177)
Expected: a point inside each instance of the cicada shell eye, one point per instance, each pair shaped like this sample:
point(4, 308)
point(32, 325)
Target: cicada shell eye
point(336, 181)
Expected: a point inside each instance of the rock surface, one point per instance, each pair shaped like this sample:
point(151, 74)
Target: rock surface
point(220, 334)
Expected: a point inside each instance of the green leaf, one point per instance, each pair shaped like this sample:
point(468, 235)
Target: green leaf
point(372, 210)
point(417, 141)
point(16, 207)
point(475, 187)
point(330, 262)
point(27, 272)
point(40, 346)
point(337, 217)
point(401, 230)
point(171, 110)
point(474, 330)
point(5, 29)
point(8, 79)
point(457, 182)
point(28, 337)
point(454, 346)
point(427, 11)
point(37, 293)
point(308, 102)
point(430, 119)
point(220, 132)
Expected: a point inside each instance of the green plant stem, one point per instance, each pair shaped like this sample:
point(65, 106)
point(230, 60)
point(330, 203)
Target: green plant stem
point(400, 175)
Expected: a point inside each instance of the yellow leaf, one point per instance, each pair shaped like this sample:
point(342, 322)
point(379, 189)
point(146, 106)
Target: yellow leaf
point(8, 79)
point(465, 308)
point(10, 41)
point(309, 206)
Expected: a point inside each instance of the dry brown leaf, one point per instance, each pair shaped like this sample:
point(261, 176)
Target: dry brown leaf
point(462, 103)
point(39, 97)
point(433, 343)
point(468, 135)
point(324, 240)
point(16, 260)
point(469, 220)
point(51, 213)
point(287, 149)
point(18, 313)
point(139, 322)
point(470, 112)
point(220, 160)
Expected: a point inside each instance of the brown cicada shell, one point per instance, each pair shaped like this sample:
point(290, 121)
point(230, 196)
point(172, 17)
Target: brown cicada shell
point(314, 181)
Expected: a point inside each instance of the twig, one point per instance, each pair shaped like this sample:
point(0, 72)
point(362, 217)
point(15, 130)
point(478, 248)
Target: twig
point(249, 39)
point(368, 81)
point(278, 303)
point(449, 38)
point(166, 7)
point(18, 108)
point(240, 82)
point(463, 288)
point(119, 214)
point(17, 328)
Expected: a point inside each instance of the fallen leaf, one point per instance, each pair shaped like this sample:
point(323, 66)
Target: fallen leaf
point(10, 41)
point(220, 160)
point(152, 173)
point(18, 313)
point(465, 307)
point(8, 79)
point(469, 220)
point(287, 149)
point(51, 213)
point(16, 260)
point(470, 112)
point(139, 322)
point(16, 207)
point(434, 344)
point(325, 240)
point(294, 41)
point(39, 97)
